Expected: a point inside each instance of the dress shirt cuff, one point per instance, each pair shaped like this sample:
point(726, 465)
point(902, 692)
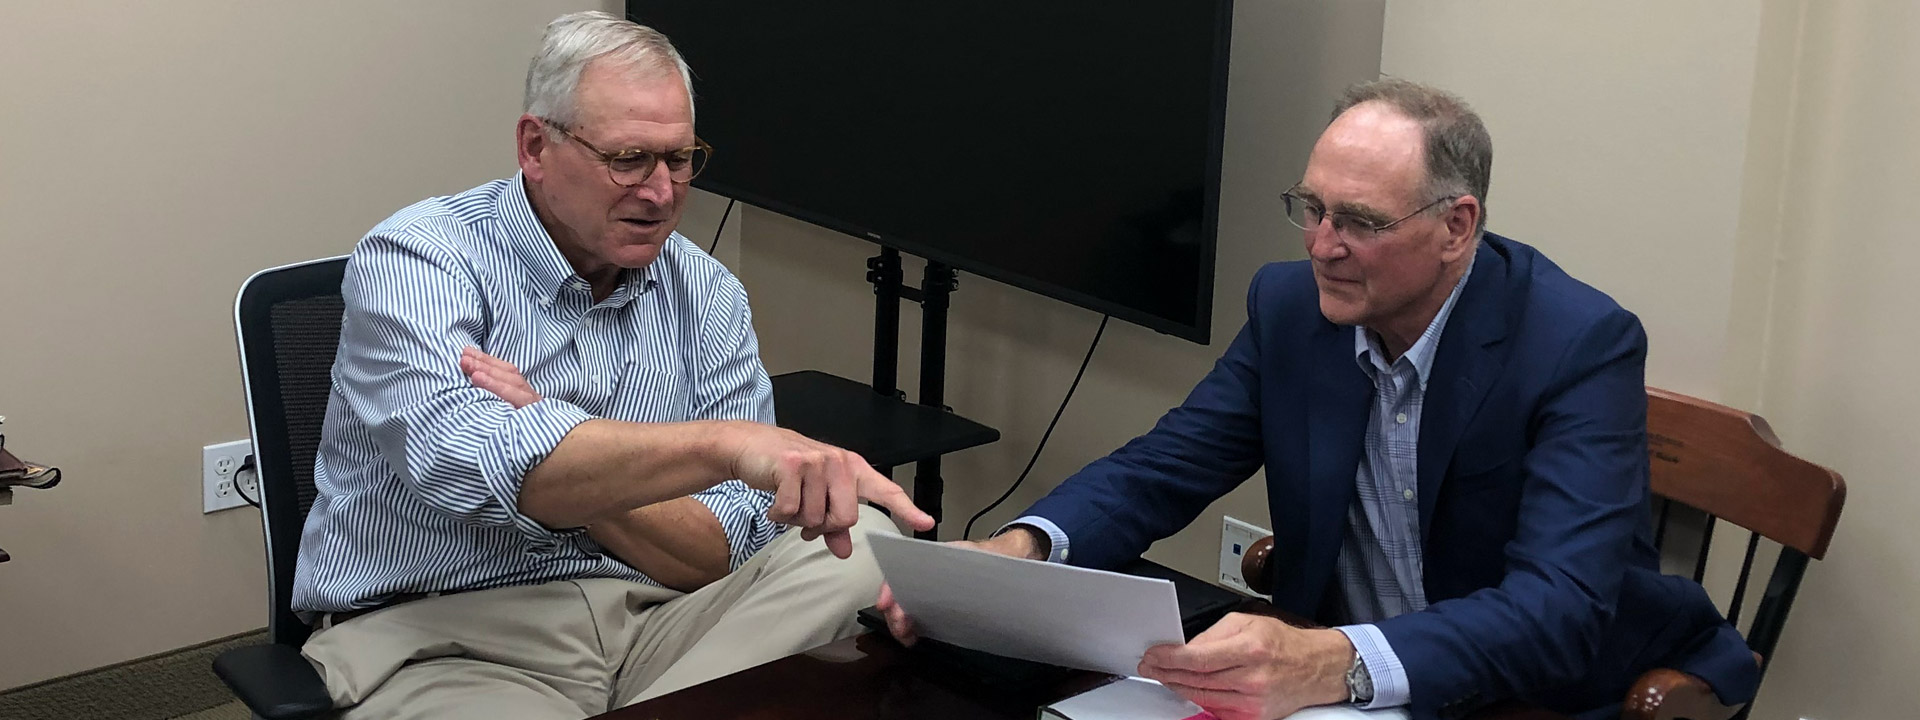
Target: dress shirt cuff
point(1389, 676)
point(1056, 538)
point(742, 512)
point(530, 434)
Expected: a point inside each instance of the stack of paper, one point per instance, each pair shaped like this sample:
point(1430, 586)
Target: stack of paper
point(1125, 699)
point(1142, 699)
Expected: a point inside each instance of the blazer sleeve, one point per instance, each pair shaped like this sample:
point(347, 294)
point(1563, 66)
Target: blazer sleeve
point(1584, 486)
point(1159, 482)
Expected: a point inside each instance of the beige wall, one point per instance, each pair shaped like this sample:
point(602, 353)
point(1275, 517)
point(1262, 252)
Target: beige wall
point(152, 155)
point(1838, 381)
point(1012, 353)
point(1619, 135)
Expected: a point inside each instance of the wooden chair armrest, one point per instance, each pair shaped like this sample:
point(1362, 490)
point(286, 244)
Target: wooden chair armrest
point(1667, 694)
point(1660, 694)
point(1256, 567)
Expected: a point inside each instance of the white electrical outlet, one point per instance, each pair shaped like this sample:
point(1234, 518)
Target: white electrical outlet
point(218, 465)
point(1236, 536)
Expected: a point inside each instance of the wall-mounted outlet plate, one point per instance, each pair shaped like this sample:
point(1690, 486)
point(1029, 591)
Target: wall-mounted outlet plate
point(1236, 536)
point(218, 466)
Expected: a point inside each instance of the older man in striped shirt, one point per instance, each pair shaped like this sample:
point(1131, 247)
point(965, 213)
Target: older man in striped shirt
point(549, 483)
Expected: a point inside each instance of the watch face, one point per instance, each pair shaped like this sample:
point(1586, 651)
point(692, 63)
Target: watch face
point(1359, 682)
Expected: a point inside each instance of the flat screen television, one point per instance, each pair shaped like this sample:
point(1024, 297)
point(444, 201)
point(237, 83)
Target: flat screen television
point(1068, 147)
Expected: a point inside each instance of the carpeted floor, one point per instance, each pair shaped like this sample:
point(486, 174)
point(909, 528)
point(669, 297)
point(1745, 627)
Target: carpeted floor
point(230, 711)
point(177, 685)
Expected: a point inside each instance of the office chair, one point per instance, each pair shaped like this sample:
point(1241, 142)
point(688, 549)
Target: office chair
point(288, 322)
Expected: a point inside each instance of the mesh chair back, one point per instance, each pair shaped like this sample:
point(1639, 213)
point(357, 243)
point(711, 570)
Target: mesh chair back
point(288, 321)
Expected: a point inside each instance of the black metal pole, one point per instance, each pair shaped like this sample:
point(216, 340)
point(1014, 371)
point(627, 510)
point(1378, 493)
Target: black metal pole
point(939, 282)
point(884, 272)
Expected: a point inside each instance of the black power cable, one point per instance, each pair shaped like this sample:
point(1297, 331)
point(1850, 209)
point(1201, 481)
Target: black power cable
point(723, 226)
point(968, 533)
point(239, 488)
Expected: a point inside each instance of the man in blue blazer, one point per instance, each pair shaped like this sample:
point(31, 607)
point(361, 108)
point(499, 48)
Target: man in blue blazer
point(1454, 437)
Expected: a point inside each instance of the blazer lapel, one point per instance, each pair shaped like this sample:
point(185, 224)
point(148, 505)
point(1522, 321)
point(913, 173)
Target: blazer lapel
point(1336, 427)
point(1464, 369)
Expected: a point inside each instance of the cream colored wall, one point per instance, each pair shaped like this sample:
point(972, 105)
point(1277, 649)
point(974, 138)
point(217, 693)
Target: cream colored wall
point(1013, 353)
point(1619, 135)
point(152, 155)
point(1838, 380)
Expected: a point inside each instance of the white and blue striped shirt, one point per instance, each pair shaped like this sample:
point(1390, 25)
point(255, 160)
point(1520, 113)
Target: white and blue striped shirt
point(418, 474)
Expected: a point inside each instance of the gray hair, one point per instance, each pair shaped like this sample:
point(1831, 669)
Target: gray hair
point(574, 40)
point(1459, 150)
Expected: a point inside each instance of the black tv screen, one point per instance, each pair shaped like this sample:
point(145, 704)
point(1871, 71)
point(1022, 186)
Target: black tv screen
point(1069, 147)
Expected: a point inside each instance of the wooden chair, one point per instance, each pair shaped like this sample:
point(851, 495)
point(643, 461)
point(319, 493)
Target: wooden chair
point(1729, 465)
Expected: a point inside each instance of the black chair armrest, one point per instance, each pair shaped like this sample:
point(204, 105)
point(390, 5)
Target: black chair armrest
point(275, 681)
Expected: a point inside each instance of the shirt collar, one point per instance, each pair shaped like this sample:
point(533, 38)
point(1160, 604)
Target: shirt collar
point(1368, 352)
point(548, 270)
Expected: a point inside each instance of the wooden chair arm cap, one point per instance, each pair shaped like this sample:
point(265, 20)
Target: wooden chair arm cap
point(1255, 567)
point(1667, 694)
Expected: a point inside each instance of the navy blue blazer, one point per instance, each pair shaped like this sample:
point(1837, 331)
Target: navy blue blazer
point(1534, 502)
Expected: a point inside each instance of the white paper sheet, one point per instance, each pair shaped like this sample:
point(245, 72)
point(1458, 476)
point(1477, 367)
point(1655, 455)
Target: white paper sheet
point(1125, 699)
point(1027, 609)
point(1142, 699)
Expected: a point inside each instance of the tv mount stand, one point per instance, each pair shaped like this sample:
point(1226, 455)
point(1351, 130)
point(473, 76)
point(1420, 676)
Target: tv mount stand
point(875, 420)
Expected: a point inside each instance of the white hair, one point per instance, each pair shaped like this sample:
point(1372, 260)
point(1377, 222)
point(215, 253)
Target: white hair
point(574, 40)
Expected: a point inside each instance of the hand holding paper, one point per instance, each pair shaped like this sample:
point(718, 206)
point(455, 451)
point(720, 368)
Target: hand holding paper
point(1250, 667)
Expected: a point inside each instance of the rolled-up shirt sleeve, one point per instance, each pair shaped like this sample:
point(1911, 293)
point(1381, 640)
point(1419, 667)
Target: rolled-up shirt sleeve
point(733, 385)
point(411, 306)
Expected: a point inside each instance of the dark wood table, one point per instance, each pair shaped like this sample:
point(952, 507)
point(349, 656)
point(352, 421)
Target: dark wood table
point(870, 677)
point(866, 677)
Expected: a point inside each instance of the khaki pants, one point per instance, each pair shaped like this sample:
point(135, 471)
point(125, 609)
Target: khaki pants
point(575, 648)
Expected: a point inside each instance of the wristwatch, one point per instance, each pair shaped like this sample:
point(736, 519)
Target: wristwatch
point(1359, 682)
